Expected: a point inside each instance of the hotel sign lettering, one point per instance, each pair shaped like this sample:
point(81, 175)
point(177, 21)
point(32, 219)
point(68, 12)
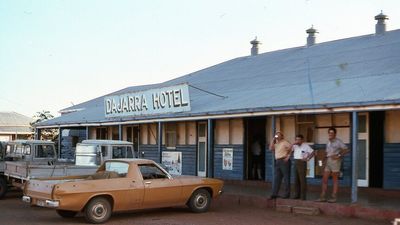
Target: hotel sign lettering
point(171, 99)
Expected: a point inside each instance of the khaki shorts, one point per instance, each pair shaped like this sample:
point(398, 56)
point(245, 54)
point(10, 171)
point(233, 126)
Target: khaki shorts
point(333, 165)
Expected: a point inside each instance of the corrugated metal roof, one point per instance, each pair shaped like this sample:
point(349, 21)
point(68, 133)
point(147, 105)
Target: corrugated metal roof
point(359, 70)
point(12, 122)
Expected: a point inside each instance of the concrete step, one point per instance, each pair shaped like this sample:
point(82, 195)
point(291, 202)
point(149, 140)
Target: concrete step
point(284, 208)
point(312, 211)
point(304, 210)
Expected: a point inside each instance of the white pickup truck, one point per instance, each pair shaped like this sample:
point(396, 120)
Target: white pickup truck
point(39, 159)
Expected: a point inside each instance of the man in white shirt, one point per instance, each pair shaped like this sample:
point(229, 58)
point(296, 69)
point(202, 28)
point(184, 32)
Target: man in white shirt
point(302, 153)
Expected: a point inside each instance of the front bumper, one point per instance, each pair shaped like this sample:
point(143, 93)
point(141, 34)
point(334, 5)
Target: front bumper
point(41, 202)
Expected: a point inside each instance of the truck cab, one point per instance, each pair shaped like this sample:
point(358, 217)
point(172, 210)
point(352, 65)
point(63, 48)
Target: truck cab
point(95, 152)
point(40, 152)
point(23, 152)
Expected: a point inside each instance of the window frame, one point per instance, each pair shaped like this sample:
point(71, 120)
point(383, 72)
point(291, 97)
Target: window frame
point(36, 150)
point(117, 162)
point(171, 129)
point(168, 176)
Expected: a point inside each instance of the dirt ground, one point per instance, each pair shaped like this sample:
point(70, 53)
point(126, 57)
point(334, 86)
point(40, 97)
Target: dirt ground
point(14, 211)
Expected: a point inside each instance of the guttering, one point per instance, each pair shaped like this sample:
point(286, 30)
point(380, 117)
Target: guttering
point(234, 115)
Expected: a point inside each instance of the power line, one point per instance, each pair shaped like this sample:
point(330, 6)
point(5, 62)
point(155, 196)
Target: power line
point(208, 92)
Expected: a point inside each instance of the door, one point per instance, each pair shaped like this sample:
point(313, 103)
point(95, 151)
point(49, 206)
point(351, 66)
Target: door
point(363, 150)
point(202, 149)
point(161, 190)
point(126, 186)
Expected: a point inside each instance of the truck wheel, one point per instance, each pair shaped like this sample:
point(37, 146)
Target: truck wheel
point(66, 213)
point(98, 210)
point(3, 187)
point(200, 201)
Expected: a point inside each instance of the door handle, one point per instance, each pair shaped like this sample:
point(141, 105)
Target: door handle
point(147, 182)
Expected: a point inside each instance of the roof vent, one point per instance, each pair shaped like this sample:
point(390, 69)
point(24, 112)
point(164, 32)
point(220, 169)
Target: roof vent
point(311, 36)
point(380, 27)
point(254, 48)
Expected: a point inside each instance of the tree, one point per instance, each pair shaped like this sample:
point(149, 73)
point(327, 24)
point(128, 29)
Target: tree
point(46, 134)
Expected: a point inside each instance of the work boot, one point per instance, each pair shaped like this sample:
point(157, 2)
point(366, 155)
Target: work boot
point(321, 198)
point(333, 199)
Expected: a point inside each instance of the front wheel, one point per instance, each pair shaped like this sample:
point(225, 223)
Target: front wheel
point(98, 210)
point(200, 201)
point(66, 213)
point(3, 187)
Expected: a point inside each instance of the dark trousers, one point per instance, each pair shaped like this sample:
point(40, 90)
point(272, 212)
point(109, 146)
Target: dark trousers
point(300, 180)
point(282, 171)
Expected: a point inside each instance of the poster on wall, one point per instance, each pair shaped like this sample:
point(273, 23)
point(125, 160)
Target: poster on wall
point(172, 162)
point(227, 159)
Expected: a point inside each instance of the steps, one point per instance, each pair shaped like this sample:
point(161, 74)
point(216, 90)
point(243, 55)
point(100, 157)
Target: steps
point(304, 210)
point(310, 207)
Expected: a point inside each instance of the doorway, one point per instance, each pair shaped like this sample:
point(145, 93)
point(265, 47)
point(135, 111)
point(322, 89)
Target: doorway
point(376, 142)
point(132, 135)
point(202, 149)
point(255, 140)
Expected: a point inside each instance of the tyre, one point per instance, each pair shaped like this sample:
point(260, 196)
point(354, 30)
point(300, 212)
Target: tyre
point(66, 213)
point(3, 187)
point(200, 201)
point(98, 210)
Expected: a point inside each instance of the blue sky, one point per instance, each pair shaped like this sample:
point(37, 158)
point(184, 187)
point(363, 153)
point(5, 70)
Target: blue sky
point(57, 53)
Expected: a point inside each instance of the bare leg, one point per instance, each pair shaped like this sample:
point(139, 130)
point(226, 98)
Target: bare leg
point(325, 182)
point(335, 176)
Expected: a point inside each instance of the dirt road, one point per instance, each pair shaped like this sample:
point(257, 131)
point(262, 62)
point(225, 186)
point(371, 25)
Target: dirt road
point(14, 211)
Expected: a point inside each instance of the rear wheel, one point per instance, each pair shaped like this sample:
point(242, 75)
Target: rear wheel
point(200, 201)
point(66, 213)
point(98, 210)
point(3, 187)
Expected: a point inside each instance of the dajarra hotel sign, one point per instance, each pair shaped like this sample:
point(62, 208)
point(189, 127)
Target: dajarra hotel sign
point(153, 101)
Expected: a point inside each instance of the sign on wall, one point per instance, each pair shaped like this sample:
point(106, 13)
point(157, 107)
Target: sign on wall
point(173, 162)
point(227, 159)
point(170, 99)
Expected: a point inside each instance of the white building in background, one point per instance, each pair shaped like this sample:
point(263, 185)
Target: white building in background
point(14, 126)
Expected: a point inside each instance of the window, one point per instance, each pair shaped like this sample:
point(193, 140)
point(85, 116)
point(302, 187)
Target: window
point(306, 126)
point(121, 152)
point(102, 133)
point(44, 151)
point(129, 134)
point(9, 149)
point(151, 171)
point(170, 135)
point(18, 149)
point(115, 133)
point(119, 167)
point(104, 151)
point(27, 150)
point(75, 140)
